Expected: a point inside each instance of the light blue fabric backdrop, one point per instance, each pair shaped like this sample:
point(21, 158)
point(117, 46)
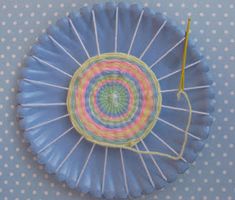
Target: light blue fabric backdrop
point(211, 177)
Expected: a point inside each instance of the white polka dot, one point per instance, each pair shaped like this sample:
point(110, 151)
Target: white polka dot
point(74, 5)
point(158, 4)
point(146, 4)
point(201, 14)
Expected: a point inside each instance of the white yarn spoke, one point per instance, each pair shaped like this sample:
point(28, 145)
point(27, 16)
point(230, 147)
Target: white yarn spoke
point(96, 33)
point(104, 171)
point(145, 167)
point(154, 161)
point(179, 70)
point(136, 29)
point(79, 38)
point(47, 122)
point(124, 172)
point(61, 47)
point(55, 140)
point(116, 31)
point(152, 40)
point(185, 110)
point(85, 164)
point(167, 145)
point(42, 104)
point(52, 66)
point(187, 89)
point(177, 128)
point(165, 54)
point(69, 154)
point(44, 83)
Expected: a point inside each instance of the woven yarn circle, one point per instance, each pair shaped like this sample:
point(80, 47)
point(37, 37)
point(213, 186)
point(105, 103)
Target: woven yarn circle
point(114, 100)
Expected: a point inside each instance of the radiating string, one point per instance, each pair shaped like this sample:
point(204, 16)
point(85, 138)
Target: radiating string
point(79, 38)
point(61, 47)
point(96, 34)
point(135, 32)
point(69, 154)
point(56, 139)
point(167, 145)
point(105, 166)
point(116, 31)
point(179, 70)
point(85, 164)
point(42, 104)
point(185, 110)
point(152, 40)
point(186, 89)
point(154, 161)
point(124, 171)
point(165, 54)
point(44, 83)
point(52, 66)
point(177, 128)
point(47, 122)
point(145, 166)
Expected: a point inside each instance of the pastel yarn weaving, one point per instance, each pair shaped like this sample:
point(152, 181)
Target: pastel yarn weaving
point(114, 100)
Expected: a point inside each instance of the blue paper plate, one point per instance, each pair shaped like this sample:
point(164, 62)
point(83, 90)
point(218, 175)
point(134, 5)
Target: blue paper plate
point(44, 118)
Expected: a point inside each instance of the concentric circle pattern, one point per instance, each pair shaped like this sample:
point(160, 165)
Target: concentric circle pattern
point(114, 100)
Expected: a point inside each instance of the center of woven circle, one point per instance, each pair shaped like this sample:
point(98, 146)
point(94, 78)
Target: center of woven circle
point(114, 100)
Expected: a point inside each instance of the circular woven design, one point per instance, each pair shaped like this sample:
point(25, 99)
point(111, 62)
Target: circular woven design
point(114, 100)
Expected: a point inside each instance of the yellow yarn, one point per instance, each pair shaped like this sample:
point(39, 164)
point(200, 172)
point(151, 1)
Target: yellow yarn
point(185, 136)
point(181, 85)
point(181, 91)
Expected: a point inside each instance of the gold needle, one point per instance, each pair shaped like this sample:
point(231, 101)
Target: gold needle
point(181, 85)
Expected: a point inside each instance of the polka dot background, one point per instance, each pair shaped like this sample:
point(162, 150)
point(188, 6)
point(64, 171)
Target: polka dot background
point(212, 176)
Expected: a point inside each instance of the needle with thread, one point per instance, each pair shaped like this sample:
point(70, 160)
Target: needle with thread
point(179, 93)
point(181, 85)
